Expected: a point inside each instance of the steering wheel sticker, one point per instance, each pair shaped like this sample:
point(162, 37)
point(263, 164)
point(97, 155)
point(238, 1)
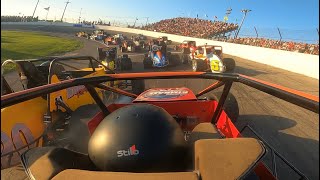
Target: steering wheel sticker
point(156, 48)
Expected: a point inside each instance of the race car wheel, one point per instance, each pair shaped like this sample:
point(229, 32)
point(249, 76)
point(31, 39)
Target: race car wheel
point(174, 59)
point(184, 58)
point(138, 86)
point(198, 65)
point(126, 64)
point(230, 64)
point(147, 63)
point(230, 106)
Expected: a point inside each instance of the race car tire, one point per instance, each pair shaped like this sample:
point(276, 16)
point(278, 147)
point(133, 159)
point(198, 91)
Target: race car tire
point(174, 59)
point(138, 86)
point(147, 63)
point(231, 106)
point(230, 64)
point(198, 65)
point(126, 64)
point(185, 58)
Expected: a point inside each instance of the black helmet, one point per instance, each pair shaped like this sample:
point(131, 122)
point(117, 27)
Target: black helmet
point(138, 138)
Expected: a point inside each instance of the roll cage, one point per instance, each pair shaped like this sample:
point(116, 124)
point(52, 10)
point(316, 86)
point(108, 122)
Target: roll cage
point(298, 98)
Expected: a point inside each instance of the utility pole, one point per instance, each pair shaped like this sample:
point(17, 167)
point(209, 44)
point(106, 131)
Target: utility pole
point(256, 31)
point(65, 9)
point(279, 34)
point(35, 8)
point(80, 15)
point(147, 21)
point(245, 11)
point(134, 25)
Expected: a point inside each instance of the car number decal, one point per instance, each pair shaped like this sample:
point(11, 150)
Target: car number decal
point(214, 65)
point(21, 136)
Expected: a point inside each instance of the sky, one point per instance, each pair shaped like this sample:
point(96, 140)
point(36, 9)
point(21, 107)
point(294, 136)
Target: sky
point(298, 17)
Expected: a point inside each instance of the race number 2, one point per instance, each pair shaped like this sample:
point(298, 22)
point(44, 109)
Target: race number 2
point(21, 136)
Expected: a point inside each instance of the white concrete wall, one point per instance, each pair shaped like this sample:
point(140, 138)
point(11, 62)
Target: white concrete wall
point(305, 64)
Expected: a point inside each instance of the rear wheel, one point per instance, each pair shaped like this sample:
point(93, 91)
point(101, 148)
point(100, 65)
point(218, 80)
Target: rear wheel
point(138, 86)
point(184, 58)
point(230, 64)
point(147, 63)
point(198, 65)
point(174, 59)
point(126, 64)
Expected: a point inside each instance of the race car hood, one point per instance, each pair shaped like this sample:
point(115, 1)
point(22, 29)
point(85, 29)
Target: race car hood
point(166, 94)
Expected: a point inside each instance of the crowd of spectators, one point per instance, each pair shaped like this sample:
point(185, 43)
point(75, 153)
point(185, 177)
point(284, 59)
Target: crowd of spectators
point(277, 44)
point(19, 19)
point(193, 27)
point(199, 28)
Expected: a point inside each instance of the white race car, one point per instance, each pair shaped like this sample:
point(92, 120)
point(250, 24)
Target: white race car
point(209, 58)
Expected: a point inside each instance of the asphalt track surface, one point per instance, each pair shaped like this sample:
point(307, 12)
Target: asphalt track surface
point(291, 130)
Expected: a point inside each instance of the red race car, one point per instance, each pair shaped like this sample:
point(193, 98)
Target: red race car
point(159, 133)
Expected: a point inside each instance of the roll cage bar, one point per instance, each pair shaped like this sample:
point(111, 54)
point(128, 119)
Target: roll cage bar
point(298, 98)
point(301, 99)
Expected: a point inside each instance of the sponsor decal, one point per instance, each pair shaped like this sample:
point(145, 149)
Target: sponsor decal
point(132, 151)
point(77, 25)
point(166, 93)
point(76, 91)
point(20, 136)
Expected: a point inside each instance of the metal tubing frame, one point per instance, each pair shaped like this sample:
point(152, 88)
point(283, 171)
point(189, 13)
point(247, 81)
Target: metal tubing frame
point(222, 99)
point(274, 153)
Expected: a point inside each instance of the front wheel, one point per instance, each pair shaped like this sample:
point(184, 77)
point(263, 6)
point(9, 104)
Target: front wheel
point(147, 63)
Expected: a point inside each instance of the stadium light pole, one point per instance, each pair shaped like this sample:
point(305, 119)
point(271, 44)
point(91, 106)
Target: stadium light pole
point(245, 11)
point(47, 9)
point(35, 8)
point(64, 10)
point(80, 15)
point(134, 25)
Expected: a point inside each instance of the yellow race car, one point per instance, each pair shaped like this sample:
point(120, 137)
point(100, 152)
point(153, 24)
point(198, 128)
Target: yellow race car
point(23, 125)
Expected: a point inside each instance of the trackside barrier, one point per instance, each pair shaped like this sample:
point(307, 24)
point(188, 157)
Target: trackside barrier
point(305, 64)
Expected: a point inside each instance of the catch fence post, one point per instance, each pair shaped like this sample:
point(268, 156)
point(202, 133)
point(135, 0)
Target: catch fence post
point(256, 31)
point(279, 34)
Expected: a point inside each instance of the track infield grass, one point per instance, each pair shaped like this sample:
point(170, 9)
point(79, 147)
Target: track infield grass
point(18, 45)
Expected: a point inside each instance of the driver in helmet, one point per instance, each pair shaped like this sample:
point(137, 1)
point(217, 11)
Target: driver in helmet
point(111, 54)
point(163, 47)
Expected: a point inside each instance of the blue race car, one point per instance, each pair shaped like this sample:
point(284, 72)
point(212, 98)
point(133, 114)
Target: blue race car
point(157, 57)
